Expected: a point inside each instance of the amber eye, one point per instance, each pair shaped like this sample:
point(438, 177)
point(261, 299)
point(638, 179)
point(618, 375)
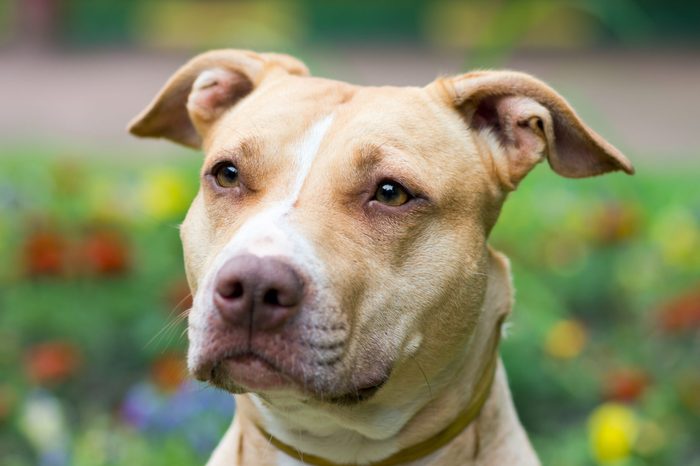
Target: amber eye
point(226, 175)
point(391, 194)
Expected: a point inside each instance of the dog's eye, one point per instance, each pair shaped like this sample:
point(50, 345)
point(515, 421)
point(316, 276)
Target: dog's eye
point(226, 175)
point(392, 194)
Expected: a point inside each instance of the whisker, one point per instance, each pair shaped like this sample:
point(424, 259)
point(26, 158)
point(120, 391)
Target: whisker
point(169, 326)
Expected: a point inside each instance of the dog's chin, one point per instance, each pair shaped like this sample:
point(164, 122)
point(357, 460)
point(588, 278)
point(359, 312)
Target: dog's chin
point(355, 396)
point(251, 373)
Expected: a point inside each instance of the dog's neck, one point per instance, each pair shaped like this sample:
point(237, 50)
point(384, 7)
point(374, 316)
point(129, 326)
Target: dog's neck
point(495, 437)
point(352, 440)
point(414, 452)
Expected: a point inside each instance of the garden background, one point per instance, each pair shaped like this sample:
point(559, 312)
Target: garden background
point(605, 338)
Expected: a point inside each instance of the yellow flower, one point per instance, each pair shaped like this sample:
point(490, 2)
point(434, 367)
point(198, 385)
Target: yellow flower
point(165, 194)
point(105, 201)
point(566, 339)
point(612, 429)
point(677, 233)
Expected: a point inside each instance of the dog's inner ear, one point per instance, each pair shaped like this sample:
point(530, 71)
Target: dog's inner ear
point(203, 89)
point(521, 121)
point(213, 92)
point(514, 129)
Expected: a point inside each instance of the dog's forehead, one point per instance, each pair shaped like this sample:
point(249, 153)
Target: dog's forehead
point(309, 133)
point(279, 113)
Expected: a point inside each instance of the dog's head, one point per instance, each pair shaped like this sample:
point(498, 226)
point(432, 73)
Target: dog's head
point(337, 244)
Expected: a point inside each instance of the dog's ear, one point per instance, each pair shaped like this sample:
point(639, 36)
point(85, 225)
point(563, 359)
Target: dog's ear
point(199, 92)
point(522, 120)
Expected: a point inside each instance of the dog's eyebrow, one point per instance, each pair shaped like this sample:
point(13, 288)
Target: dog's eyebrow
point(368, 156)
point(246, 148)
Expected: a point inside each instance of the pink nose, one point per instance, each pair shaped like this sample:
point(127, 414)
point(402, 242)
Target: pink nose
point(261, 293)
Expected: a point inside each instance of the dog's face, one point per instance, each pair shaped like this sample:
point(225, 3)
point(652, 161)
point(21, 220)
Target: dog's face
point(337, 245)
point(368, 209)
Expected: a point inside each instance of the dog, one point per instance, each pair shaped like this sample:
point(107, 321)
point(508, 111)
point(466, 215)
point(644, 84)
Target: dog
point(344, 289)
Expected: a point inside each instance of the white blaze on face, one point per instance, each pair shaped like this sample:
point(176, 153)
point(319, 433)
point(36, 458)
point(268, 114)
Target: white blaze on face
point(267, 234)
point(306, 153)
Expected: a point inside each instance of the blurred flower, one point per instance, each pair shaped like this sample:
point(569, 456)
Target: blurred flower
point(43, 422)
point(612, 429)
point(104, 251)
point(107, 201)
point(202, 413)
point(141, 405)
point(165, 194)
point(682, 313)
point(625, 384)
point(565, 339)
point(614, 223)
point(52, 362)
point(44, 253)
point(169, 372)
point(677, 233)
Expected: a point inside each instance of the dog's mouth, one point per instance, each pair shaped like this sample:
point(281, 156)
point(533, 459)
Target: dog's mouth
point(356, 396)
point(250, 371)
point(243, 371)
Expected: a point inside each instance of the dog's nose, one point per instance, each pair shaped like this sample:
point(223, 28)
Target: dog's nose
point(260, 292)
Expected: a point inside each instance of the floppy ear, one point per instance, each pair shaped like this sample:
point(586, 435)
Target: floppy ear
point(522, 120)
point(199, 92)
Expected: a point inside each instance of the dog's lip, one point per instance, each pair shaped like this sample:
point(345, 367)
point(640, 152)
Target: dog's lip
point(255, 372)
point(247, 368)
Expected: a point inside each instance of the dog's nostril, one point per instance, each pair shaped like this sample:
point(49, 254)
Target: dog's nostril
point(232, 290)
point(237, 291)
point(272, 297)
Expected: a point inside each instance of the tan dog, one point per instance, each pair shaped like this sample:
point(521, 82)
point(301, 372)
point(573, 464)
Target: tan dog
point(337, 251)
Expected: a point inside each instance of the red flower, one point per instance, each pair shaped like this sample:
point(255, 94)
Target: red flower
point(681, 313)
point(44, 253)
point(52, 362)
point(169, 371)
point(626, 384)
point(105, 252)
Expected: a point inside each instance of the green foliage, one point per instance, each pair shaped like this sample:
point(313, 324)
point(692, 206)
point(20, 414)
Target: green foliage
point(609, 256)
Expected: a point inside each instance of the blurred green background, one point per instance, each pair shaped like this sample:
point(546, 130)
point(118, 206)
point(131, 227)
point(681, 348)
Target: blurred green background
point(605, 336)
